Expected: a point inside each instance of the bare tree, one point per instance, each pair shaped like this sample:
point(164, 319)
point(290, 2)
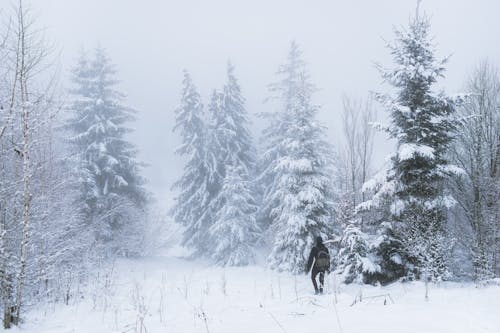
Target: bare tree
point(477, 152)
point(350, 122)
point(29, 104)
point(356, 152)
point(4, 116)
point(366, 134)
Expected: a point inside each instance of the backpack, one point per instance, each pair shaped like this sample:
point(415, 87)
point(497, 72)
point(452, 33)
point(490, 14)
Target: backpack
point(323, 259)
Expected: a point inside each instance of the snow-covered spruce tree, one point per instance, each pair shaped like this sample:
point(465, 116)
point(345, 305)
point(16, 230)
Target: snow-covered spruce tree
point(422, 123)
point(296, 164)
point(234, 228)
point(231, 126)
point(354, 261)
point(213, 176)
point(112, 188)
point(196, 186)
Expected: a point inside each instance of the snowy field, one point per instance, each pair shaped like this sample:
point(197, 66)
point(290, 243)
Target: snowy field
point(165, 294)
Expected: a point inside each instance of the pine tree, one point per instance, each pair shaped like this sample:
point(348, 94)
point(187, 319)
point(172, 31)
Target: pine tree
point(215, 170)
point(233, 229)
point(231, 126)
point(196, 184)
point(296, 166)
point(422, 123)
point(388, 247)
point(112, 188)
point(354, 261)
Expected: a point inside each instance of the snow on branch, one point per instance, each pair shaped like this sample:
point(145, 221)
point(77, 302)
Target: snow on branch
point(408, 151)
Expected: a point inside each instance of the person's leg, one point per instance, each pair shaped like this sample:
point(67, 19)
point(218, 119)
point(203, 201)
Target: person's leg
point(313, 278)
point(321, 281)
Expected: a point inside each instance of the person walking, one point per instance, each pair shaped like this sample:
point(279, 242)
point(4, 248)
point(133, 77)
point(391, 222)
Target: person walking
point(319, 260)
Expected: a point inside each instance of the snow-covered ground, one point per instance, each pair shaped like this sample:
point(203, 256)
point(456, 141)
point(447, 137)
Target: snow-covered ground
point(175, 295)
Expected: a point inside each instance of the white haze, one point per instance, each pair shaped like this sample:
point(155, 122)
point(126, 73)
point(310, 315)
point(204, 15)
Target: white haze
point(152, 41)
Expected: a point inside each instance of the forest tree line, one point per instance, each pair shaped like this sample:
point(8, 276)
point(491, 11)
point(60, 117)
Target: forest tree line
point(72, 194)
point(431, 213)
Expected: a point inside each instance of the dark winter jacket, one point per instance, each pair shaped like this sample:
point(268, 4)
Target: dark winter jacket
point(313, 257)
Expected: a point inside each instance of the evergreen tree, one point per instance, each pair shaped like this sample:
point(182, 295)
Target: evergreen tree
point(296, 166)
point(214, 159)
point(354, 261)
point(387, 247)
point(112, 188)
point(195, 185)
point(233, 227)
point(422, 124)
point(231, 126)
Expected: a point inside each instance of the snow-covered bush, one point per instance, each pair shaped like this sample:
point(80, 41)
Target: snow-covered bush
point(354, 261)
point(387, 248)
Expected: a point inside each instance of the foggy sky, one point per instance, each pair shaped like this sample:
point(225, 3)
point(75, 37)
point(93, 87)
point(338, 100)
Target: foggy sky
point(151, 42)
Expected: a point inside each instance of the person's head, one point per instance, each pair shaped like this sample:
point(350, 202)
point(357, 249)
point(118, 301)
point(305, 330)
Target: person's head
point(319, 240)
